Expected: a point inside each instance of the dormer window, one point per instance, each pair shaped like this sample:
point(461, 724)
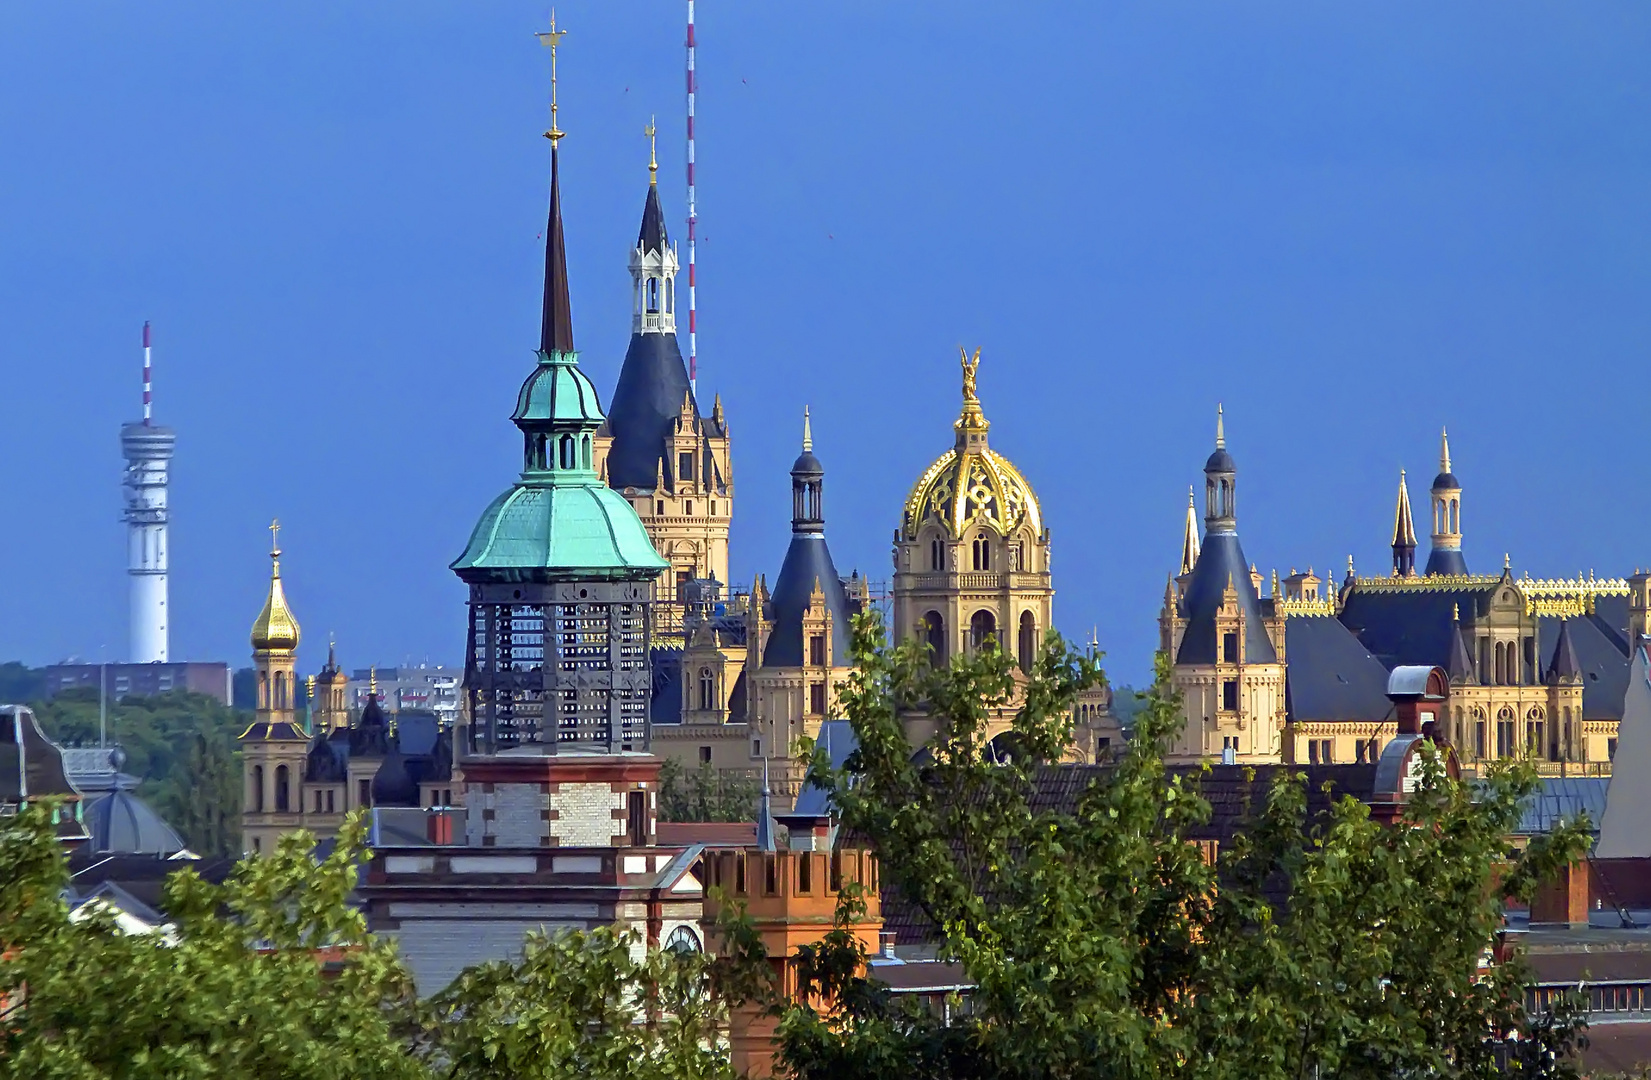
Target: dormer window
point(685, 466)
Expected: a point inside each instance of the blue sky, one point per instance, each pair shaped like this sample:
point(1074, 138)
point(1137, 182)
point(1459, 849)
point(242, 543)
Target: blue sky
point(1352, 224)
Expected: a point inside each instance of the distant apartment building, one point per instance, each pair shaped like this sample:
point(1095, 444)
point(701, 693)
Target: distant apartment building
point(433, 688)
point(141, 680)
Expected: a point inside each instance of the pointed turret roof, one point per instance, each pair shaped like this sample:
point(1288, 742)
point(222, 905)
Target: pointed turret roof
point(1189, 539)
point(1404, 526)
point(556, 328)
point(765, 815)
point(1460, 668)
point(652, 237)
point(1446, 480)
point(1564, 664)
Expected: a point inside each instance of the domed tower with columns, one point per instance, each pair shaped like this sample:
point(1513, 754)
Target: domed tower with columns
point(1228, 654)
point(1446, 560)
point(272, 747)
point(971, 562)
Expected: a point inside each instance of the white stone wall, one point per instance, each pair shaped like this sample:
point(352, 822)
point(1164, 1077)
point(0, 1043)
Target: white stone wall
point(584, 815)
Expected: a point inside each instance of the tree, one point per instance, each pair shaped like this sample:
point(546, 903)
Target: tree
point(706, 794)
point(182, 746)
point(1103, 943)
point(271, 974)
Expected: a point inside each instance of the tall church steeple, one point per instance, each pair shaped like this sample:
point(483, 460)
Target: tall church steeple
point(1446, 556)
point(1404, 534)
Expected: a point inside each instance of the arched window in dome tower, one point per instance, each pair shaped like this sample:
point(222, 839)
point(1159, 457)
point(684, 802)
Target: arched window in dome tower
point(982, 552)
point(670, 295)
point(653, 296)
point(280, 690)
point(567, 451)
point(258, 789)
point(1028, 644)
point(982, 629)
point(283, 796)
point(934, 633)
point(937, 554)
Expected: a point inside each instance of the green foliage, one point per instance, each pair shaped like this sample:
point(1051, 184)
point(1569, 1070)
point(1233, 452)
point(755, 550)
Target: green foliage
point(21, 683)
point(236, 988)
point(182, 745)
point(706, 794)
point(583, 1005)
point(1103, 944)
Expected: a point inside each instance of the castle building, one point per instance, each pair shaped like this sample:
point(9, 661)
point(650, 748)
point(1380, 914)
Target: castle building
point(671, 463)
point(1228, 649)
point(971, 562)
point(1536, 669)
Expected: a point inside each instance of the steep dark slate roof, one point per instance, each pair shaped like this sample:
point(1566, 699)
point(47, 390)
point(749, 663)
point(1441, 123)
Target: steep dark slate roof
point(807, 560)
point(556, 325)
point(327, 760)
point(644, 410)
point(1409, 626)
point(1443, 561)
point(1235, 794)
point(1331, 676)
point(1461, 666)
point(393, 785)
point(120, 821)
point(1603, 665)
point(652, 237)
point(370, 735)
point(142, 876)
point(1220, 560)
point(666, 707)
point(1564, 663)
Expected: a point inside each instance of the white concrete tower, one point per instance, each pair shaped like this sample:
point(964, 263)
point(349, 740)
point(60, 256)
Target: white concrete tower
point(147, 448)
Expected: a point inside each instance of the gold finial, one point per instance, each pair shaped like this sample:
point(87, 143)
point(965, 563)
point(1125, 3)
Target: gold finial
point(372, 671)
point(653, 157)
point(551, 39)
point(971, 419)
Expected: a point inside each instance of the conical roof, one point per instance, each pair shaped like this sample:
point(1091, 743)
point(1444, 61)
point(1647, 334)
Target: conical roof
point(1564, 664)
point(556, 326)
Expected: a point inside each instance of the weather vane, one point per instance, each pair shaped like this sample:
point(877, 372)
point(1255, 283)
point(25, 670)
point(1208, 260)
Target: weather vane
point(551, 39)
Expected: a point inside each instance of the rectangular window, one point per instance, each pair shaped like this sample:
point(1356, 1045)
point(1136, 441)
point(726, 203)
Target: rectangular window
point(1229, 648)
point(770, 875)
point(756, 748)
point(685, 466)
point(637, 811)
point(317, 802)
point(1328, 754)
point(836, 880)
point(817, 698)
point(705, 755)
point(1229, 695)
point(363, 793)
point(817, 650)
point(1312, 751)
point(330, 809)
point(1359, 749)
point(739, 874)
point(805, 874)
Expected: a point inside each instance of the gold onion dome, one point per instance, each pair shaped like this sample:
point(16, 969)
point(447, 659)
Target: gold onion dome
point(971, 484)
point(275, 627)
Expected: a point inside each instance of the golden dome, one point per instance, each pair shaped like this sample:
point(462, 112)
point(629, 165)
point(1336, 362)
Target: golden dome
point(275, 628)
point(972, 484)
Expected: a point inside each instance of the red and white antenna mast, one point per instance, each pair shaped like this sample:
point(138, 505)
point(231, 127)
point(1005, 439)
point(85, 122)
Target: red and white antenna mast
point(693, 217)
point(148, 396)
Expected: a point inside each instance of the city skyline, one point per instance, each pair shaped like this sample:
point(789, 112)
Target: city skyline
point(364, 410)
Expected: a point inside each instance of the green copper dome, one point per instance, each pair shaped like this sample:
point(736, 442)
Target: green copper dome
point(558, 532)
point(559, 522)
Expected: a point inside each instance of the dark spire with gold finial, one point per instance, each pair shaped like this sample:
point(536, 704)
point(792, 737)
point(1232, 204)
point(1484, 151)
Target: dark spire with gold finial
point(556, 328)
point(1404, 534)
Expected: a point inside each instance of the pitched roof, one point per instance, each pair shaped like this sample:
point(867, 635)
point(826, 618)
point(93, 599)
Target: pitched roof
point(1221, 560)
point(1331, 676)
point(1603, 666)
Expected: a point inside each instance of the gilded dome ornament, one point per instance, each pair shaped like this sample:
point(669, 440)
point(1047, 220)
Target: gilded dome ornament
point(971, 484)
point(275, 628)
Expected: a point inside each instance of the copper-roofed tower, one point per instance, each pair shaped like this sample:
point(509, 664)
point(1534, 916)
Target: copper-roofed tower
point(1446, 556)
point(1404, 534)
point(559, 568)
point(1228, 652)
point(669, 460)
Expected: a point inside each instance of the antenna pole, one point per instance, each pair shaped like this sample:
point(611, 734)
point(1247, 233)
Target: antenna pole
point(148, 396)
point(693, 216)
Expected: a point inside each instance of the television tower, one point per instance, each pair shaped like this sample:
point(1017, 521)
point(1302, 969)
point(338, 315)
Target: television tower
point(147, 448)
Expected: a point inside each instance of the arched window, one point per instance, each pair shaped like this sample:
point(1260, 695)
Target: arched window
point(282, 801)
point(670, 295)
point(707, 690)
point(258, 789)
point(280, 690)
point(683, 939)
point(653, 296)
point(585, 453)
point(1028, 641)
point(982, 629)
point(982, 553)
point(567, 451)
point(934, 632)
point(1506, 746)
point(937, 554)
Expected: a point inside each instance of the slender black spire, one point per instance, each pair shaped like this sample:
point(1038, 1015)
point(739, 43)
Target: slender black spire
point(556, 331)
point(1404, 534)
point(1565, 666)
